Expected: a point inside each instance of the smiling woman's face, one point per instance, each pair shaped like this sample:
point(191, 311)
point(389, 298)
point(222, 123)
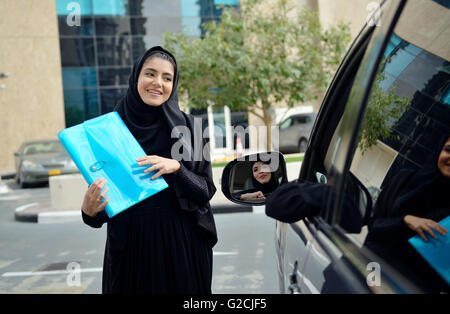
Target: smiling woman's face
point(444, 159)
point(155, 81)
point(261, 172)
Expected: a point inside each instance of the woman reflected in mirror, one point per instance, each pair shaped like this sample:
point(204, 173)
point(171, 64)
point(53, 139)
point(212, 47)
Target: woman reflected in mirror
point(264, 182)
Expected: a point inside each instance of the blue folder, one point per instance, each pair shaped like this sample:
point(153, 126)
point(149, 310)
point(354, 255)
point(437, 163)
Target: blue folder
point(436, 252)
point(103, 147)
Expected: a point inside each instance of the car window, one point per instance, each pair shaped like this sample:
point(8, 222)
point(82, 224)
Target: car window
point(408, 108)
point(42, 148)
point(286, 123)
point(342, 142)
point(302, 120)
point(407, 115)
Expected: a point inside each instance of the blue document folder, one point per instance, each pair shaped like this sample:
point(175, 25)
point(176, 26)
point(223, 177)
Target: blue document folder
point(103, 147)
point(436, 252)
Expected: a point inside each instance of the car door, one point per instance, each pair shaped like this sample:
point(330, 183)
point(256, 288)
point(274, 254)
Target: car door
point(295, 242)
point(334, 261)
point(286, 134)
point(405, 71)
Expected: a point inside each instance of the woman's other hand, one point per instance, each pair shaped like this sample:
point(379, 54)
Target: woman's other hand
point(421, 225)
point(94, 201)
point(253, 196)
point(163, 165)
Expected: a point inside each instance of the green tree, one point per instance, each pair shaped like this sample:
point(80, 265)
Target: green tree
point(258, 56)
point(384, 108)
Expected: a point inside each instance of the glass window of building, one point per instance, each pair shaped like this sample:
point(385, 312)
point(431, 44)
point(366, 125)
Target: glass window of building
point(101, 39)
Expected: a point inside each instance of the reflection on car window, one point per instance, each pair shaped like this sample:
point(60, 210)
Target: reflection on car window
point(406, 122)
point(408, 109)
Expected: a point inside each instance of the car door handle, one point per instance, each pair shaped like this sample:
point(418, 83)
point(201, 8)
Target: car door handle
point(294, 288)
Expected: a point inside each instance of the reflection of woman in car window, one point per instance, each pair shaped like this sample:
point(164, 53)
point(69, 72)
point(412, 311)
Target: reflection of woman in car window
point(264, 182)
point(413, 203)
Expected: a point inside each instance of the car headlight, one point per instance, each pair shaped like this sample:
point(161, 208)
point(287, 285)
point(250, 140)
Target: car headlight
point(29, 164)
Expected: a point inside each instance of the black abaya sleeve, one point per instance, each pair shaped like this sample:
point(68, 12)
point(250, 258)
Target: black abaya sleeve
point(294, 201)
point(193, 191)
point(97, 221)
point(197, 188)
point(384, 225)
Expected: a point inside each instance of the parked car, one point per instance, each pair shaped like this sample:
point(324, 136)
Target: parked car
point(36, 161)
point(294, 133)
point(384, 111)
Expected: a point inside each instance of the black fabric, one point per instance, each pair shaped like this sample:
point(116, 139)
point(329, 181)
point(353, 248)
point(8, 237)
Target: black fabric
point(296, 200)
point(422, 193)
point(164, 243)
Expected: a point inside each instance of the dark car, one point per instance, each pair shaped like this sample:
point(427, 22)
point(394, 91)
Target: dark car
point(384, 111)
point(36, 161)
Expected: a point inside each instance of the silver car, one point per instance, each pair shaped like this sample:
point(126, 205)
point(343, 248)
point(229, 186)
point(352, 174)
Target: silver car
point(295, 131)
point(36, 161)
point(384, 112)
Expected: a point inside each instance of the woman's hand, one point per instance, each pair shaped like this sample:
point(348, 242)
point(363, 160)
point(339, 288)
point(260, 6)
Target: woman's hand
point(94, 201)
point(420, 225)
point(253, 196)
point(163, 165)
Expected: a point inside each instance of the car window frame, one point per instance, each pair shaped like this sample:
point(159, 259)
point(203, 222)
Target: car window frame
point(329, 116)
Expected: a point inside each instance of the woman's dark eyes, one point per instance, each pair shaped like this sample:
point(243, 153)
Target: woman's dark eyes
point(168, 79)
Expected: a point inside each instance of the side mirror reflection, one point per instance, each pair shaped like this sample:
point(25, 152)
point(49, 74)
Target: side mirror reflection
point(250, 179)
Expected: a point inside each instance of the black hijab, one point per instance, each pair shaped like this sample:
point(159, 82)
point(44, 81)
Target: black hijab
point(266, 188)
point(429, 178)
point(150, 125)
point(153, 128)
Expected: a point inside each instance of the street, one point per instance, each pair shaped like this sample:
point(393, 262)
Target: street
point(34, 257)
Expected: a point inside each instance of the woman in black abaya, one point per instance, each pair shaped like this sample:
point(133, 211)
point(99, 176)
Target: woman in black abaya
point(164, 243)
point(413, 203)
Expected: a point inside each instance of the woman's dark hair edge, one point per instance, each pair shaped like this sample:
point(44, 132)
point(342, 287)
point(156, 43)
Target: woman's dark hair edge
point(161, 55)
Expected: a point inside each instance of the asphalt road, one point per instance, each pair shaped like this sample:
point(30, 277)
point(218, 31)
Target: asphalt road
point(34, 257)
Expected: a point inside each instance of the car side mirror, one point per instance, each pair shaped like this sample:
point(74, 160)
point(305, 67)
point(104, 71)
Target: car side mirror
point(250, 179)
point(16, 154)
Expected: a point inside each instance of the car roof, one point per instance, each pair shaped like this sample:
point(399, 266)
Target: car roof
point(40, 141)
point(303, 115)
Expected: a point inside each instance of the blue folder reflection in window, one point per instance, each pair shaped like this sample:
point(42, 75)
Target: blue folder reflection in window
point(103, 147)
point(436, 252)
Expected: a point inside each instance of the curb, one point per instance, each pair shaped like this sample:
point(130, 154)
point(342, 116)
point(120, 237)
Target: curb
point(40, 213)
point(20, 213)
point(35, 213)
point(227, 209)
